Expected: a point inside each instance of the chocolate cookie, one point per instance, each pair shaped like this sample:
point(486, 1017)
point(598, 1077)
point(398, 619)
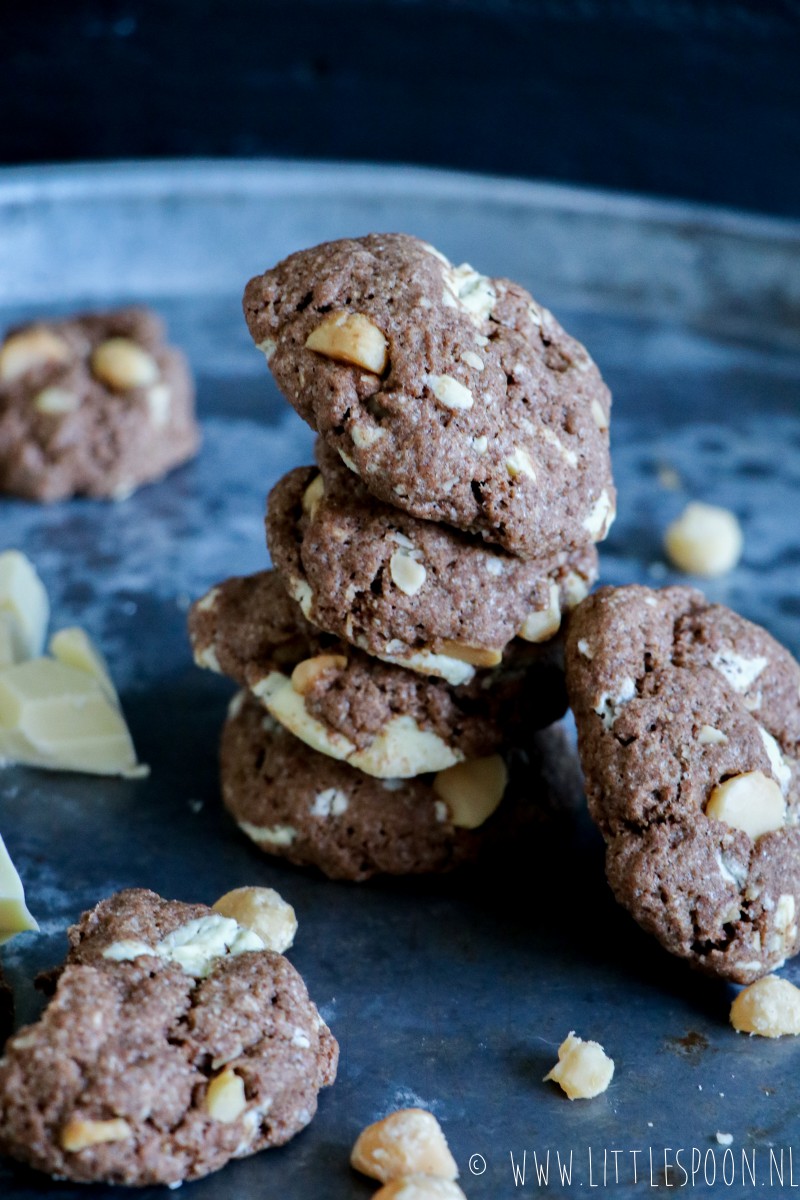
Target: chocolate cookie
point(381, 719)
point(451, 395)
point(689, 726)
point(174, 1042)
point(95, 405)
point(316, 811)
point(411, 592)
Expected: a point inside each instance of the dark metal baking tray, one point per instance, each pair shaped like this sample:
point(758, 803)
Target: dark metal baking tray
point(452, 993)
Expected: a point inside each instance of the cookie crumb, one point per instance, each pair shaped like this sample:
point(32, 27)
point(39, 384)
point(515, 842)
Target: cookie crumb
point(724, 1139)
point(705, 540)
point(583, 1070)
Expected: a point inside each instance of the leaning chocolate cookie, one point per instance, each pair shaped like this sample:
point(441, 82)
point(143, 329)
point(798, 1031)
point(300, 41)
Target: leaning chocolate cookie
point(93, 405)
point(317, 811)
point(174, 1042)
point(689, 724)
point(451, 395)
point(381, 719)
point(411, 592)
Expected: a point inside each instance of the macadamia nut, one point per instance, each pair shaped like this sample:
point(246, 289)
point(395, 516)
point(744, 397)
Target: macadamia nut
point(583, 1070)
point(705, 541)
point(407, 1142)
point(770, 1007)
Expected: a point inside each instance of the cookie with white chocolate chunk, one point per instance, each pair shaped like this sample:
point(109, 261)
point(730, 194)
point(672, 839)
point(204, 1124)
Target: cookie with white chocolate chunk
point(315, 810)
point(377, 717)
point(175, 1041)
point(688, 721)
point(95, 405)
point(411, 592)
point(452, 396)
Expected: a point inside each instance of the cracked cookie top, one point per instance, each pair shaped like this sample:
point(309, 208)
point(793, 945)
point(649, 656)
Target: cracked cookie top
point(451, 395)
point(688, 721)
point(174, 1042)
point(411, 592)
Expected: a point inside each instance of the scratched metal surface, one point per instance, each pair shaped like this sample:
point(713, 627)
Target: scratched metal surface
point(453, 993)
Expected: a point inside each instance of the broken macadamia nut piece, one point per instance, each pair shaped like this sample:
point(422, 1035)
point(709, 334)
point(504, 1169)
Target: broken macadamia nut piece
point(93, 405)
point(770, 1007)
point(264, 911)
point(583, 1070)
point(705, 540)
point(407, 1142)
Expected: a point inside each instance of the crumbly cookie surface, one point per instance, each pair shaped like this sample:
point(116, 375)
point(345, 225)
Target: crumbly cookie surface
point(676, 700)
point(412, 592)
point(380, 718)
point(479, 411)
point(93, 405)
point(141, 1073)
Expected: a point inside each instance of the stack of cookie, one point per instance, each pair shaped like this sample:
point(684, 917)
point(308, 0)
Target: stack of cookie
point(421, 568)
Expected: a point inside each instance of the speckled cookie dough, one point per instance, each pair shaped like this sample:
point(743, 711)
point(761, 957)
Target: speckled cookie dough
point(689, 723)
point(379, 718)
point(453, 396)
point(94, 405)
point(175, 1042)
point(411, 592)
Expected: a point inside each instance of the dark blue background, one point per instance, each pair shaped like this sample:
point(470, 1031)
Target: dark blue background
point(692, 98)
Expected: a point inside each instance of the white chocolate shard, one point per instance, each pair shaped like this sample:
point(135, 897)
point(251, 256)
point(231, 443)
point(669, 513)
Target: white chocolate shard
point(74, 647)
point(14, 915)
point(195, 946)
point(23, 600)
point(57, 716)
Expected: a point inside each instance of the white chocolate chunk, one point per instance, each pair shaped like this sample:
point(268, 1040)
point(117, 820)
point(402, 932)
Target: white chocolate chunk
point(574, 589)
point(307, 672)
point(195, 946)
point(57, 716)
point(401, 750)
point(470, 290)
point(583, 1070)
point(56, 401)
point(601, 518)
point(350, 337)
point(450, 392)
point(269, 835)
point(407, 1142)
point(313, 495)
point(444, 666)
point(407, 574)
point(476, 656)
point(264, 911)
point(123, 364)
point(609, 707)
point(541, 625)
point(770, 1007)
point(585, 650)
point(472, 360)
point(420, 1187)
point(14, 915)
point(30, 349)
point(159, 403)
point(329, 803)
point(267, 347)
point(79, 1133)
point(225, 1100)
point(472, 790)
point(73, 647)
point(599, 416)
point(480, 444)
point(519, 463)
point(780, 768)
point(24, 599)
point(569, 456)
point(751, 802)
point(707, 735)
point(705, 541)
point(739, 671)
